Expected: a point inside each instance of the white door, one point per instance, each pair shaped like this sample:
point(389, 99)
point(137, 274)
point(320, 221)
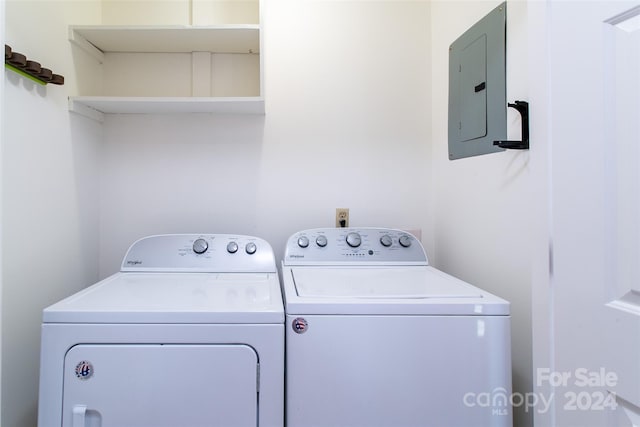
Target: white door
point(160, 386)
point(587, 124)
point(622, 283)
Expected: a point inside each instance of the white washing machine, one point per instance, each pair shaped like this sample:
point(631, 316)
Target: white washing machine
point(377, 337)
point(189, 333)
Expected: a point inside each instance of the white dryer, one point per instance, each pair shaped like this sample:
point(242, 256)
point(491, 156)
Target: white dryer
point(375, 337)
point(189, 333)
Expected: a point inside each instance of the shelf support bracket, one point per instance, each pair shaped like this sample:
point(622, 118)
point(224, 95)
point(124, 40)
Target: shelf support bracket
point(84, 44)
point(84, 110)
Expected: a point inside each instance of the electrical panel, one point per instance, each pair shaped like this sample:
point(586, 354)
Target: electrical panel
point(477, 87)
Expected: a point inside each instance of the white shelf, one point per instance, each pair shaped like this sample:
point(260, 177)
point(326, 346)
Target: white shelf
point(96, 106)
point(100, 40)
point(169, 39)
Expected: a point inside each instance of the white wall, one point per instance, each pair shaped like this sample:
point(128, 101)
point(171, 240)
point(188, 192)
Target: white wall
point(49, 195)
point(482, 204)
point(347, 125)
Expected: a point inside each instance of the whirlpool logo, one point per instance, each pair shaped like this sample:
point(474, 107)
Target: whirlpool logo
point(134, 262)
point(296, 256)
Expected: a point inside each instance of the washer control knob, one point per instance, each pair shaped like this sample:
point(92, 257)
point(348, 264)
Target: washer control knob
point(405, 241)
point(321, 241)
point(386, 241)
point(353, 239)
point(232, 247)
point(250, 248)
point(303, 241)
point(200, 246)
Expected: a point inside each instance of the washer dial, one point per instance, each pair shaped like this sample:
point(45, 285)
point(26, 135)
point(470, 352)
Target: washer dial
point(232, 247)
point(354, 239)
point(386, 241)
point(405, 241)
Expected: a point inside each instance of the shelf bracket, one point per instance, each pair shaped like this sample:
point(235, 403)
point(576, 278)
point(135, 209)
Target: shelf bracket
point(84, 110)
point(78, 40)
point(523, 109)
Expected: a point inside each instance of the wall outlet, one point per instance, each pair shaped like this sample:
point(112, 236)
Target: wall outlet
point(342, 217)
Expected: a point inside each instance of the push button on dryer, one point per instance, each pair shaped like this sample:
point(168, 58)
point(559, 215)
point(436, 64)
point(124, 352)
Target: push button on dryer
point(250, 248)
point(303, 242)
point(200, 246)
point(321, 241)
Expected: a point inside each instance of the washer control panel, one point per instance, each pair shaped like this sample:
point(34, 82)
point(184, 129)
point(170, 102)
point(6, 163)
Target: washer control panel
point(334, 246)
point(200, 253)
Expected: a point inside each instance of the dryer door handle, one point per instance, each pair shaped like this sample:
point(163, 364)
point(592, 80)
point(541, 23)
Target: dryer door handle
point(79, 412)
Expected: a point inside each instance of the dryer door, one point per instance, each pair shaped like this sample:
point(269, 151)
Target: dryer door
point(160, 385)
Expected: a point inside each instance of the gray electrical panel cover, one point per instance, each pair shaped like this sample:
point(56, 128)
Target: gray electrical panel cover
point(477, 87)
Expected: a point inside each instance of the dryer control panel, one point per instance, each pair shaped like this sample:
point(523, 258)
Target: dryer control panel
point(349, 246)
point(210, 253)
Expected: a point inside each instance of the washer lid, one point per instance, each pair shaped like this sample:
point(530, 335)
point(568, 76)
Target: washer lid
point(415, 290)
point(174, 298)
point(379, 283)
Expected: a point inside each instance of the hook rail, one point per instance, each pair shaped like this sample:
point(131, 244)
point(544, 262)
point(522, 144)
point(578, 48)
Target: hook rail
point(32, 70)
